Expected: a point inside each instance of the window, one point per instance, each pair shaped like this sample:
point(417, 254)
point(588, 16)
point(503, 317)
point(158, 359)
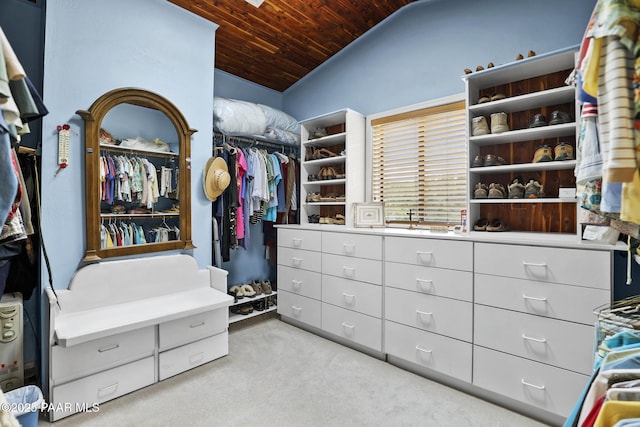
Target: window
point(419, 163)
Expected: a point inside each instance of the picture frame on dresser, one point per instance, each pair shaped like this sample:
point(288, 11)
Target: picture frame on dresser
point(368, 215)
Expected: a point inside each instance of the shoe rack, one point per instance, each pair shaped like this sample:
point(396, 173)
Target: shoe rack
point(530, 86)
point(332, 167)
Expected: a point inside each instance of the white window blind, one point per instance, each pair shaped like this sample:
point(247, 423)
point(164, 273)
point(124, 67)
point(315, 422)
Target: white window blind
point(419, 162)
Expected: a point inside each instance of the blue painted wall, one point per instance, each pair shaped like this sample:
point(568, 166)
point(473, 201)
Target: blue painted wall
point(419, 53)
point(230, 86)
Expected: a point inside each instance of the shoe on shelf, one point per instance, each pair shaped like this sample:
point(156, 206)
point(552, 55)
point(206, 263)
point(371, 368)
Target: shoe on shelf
point(237, 291)
point(245, 309)
point(468, 71)
point(479, 68)
point(531, 53)
point(257, 287)
point(533, 190)
point(497, 225)
point(519, 57)
point(563, 151)
point(496, 191)
point(516, 189)
point(479, 126)
point(499, 123)
point(259, 305)
point(559, 117)
point(537, 121)
point(498, 96)
point(248, 291)
point(266, 287)
point(481, 224)
point(493, 160)
point(484, 99)
point(339, 219)
point(543, 154)
point(478, 161)
point(480, 191)
point(490, 65)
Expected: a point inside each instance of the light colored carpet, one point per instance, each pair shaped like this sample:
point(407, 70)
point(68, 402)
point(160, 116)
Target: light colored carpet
point(279, 375)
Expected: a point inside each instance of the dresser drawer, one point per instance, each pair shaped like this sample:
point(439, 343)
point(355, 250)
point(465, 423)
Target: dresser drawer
point(433, 351)
point(356, 327)
point(189, 356)
point(69, 363)
point(301, 282)
point(554, 342)
point(430, 252)
point(558, 265)
point(102, 386)
point(300, 308)
point(356, 245)
point(428, 280)
point(352, 295)
point(564, 302)
point(300, 239)
point(435, 314)
point(363, 270)
point(298, 258)
point(552, 389)
point(193, 328)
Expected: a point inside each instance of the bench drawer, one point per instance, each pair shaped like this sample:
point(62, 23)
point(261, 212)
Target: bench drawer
point(354, 245)
point(554, 342)
point(552, 389)
point(430, 252)
point(189, 356)
point(302, 309)
point(363, 270)
point(298, 258)
point(352, 295)
point(301, 282)
point(356, 327)
point(193, 328)
point(433, 281)
point(557, 265)
point(443, 316)
point(102, 386)
point(299, 239)
point(69, 363)
point(433, 351)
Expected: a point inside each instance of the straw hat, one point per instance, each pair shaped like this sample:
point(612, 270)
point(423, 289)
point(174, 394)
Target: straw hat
point(216, 178)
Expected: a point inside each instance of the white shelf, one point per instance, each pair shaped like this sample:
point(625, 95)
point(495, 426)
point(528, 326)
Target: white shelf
point(326, 141)
point(561, 95)
point(514, 201)
point(543, 132)
point(324, 182)
point(524, 167)
point(234, 317)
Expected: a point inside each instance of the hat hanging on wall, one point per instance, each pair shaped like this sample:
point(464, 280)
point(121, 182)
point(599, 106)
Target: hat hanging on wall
point(216, 178)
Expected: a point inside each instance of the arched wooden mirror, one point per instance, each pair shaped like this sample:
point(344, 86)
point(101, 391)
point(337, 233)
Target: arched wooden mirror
point(138, 175)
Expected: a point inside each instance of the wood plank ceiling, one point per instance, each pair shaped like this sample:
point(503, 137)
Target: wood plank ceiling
point(280, 42)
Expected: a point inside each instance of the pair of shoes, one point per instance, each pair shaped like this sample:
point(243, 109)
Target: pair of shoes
point(481, 224)
point(533, 190)
point(494, 97)
point(496, 191)
point(529, 55)
point(488, 160)
point(329, 197)
point(327, 172)
point(543, 154)
point(313, 197)
point(516, 188)
point(243, 309)
point(314, 219)
point(497, 225)
point(479, 125)
point(241, 291)
point(562, 151)
point(323, 153)
point(317, 133)
point(557, 118)
point(257, 287)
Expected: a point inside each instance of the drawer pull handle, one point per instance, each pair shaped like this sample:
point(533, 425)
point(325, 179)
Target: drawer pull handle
point(348, 328)
point(112, 347)
point(534, 264)
point(296, 261)
point(525, 296)
point(537, 387)
point(540, 340)
point(297, 242)
point(296, 284)
point(423, 350)
point(297, 310)
point(424, 313)
point(106, 391)
point(424, 285)
point(349, 272)
point(349, 298)
point(196, 358)
point(349, 249)
point(422, 255)
point(196, 325)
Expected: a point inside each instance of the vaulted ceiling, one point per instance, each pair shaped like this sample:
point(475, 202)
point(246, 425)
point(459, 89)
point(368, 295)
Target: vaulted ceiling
point(278, 43)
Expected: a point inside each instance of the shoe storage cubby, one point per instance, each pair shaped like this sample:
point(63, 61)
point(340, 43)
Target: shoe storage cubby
point(530, 92)
point(332, 167)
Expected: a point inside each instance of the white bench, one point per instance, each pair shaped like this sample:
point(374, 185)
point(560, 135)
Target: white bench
point(122, 325)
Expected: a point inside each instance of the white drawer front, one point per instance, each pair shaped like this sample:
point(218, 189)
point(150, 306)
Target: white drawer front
point(363, 270)
point(430, 252)
point(352, 295)
point(299, 239)
point(300, 308)
point(555, 342)
point(301, 282)
point(564, 302)
point(193, 328)
point(433, 281)
point(189, 356)
point(297, 258)
point(69, 363)
point(356, 245)
point(102, 386)
point(552, 389)
point(435, 314)
point(356, 327)
point(558, 265)
point(433, 351)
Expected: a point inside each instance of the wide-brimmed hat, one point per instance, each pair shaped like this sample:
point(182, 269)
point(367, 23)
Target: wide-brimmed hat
point(216, 178)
